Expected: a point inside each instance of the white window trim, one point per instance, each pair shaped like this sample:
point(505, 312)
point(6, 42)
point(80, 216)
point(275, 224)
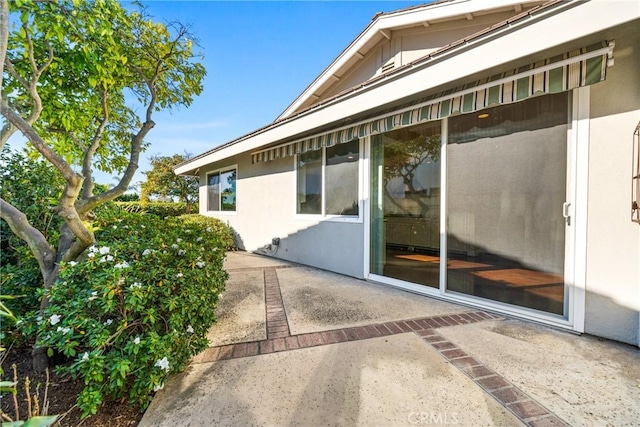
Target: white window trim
point(220, 171)
point(323, 216)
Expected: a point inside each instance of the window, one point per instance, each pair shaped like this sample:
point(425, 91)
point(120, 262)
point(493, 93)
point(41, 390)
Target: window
point(327, 181)
point(221, 190)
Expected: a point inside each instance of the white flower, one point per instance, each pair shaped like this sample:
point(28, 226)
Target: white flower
point(187, 231)
point(179, 275)
point(85, 356)
point(136, 341)
point(63, 330)
point(201, 264)
point(142, 226)
point(162, 364)
point(174, 246)
point(92, 248)
point(146, 252)
point(178, 240)
point(215, 249)
point(182, 252)
point(91, 254)
point(54, 319)
point(209, 229)
point(158, 387)
point(103, 250)
point(136, 285)
point(126, 226)
point(123, 264)
point(119, 220)
point(39, 320)
point(115, 227)
point(190, 329)
point(108, 322)
point(106, 258)
point(72, 263)
point(93, 296)
point(199, 239)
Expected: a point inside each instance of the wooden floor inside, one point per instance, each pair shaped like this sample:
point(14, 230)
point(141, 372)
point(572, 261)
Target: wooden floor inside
point(493, 279)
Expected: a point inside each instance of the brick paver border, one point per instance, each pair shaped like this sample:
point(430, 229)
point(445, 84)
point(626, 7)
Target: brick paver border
point(508, 395)
point(279, 338)
point(277, 323)
point(355, 333)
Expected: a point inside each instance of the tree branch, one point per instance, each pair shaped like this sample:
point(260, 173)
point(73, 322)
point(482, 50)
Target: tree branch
point(86, 205)
point(87, 171)
point(19, 224)
point(35, 139)
point(4, 37)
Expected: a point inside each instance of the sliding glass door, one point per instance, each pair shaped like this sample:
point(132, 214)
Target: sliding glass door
point(405, 208)
point(506, 183)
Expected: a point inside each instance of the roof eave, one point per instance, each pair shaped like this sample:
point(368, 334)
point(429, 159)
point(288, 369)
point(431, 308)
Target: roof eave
point(562, 29)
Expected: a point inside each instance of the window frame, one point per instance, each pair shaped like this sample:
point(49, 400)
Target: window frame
point(322, 215)
point(220, 171)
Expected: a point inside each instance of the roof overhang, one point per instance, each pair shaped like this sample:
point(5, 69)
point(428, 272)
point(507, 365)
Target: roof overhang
point(383, 24)
point(556, 26)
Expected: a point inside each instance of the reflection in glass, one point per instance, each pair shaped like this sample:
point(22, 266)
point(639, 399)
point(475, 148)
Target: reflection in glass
point(213, 191)
point(341, 179)
point(309, 177)
point(405, 204)
point(228, 190)
point(506, 183)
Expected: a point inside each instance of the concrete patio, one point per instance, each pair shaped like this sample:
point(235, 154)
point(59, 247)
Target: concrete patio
point(299, 346)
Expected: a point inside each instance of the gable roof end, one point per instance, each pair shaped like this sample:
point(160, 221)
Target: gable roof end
point(381, 26)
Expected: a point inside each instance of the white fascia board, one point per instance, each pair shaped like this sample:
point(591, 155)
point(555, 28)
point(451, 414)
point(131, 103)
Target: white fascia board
point(583, 19)
point(387, 23)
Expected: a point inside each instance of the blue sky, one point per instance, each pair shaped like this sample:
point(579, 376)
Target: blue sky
point(259, 55)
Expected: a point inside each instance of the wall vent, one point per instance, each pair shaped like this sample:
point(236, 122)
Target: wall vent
point(388, 66)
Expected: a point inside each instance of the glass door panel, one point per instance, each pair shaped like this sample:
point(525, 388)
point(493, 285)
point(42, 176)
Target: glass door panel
point(506, 185)
point(405, 204)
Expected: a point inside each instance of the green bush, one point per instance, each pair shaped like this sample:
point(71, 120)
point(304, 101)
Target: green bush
point(220, 228)
point(136, 307)
point(128, 197)
point(160, 209)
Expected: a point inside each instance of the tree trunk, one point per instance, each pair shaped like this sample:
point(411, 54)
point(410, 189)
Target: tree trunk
point(40, 359)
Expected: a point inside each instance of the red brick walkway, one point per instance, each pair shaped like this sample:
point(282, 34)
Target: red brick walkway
point(528, 410)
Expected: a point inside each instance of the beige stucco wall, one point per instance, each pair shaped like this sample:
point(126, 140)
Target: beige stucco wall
point(266, 205)
point(266, 209)
point(613, 240)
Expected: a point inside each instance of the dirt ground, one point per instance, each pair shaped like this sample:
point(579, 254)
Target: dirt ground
point(62, 394)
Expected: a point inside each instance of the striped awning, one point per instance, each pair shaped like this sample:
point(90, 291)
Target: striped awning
point(578, 68)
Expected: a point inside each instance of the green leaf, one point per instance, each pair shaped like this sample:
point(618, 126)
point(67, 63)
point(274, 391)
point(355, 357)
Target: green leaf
point(8, 387)
point(50, 352)
point(42, 421)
